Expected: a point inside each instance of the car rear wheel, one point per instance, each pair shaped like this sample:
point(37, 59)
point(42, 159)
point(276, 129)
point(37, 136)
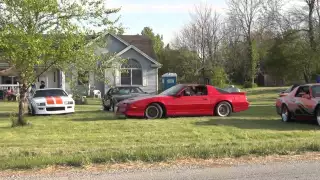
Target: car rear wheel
point(153, 111)
point(223, 109)
point(318, 115)
point(285, 114)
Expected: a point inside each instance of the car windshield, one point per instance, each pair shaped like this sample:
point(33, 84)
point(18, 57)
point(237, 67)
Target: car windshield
point(173, 90)
point(126, 90)
point(316, 91)
point(50, 92)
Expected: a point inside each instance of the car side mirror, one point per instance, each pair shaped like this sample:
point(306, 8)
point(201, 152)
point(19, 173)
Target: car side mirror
point(70, 95)
point(178, 95)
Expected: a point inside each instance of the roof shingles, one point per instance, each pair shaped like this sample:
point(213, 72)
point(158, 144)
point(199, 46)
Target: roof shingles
point(142, 42)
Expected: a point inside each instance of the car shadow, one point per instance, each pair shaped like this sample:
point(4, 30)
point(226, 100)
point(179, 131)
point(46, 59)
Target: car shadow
point(262, 124)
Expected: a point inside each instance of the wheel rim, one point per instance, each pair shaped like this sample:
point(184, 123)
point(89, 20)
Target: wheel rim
point(318, 117)
point(223, 110)
point(284, 114)
point(152, 112)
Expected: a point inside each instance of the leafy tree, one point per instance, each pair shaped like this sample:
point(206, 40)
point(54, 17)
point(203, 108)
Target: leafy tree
point(285, 58)
point(157, 39)
point(37, 36)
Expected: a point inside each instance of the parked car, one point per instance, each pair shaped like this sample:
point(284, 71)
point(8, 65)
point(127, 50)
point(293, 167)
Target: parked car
point(50, 101)
point(118, 94)
point(301, 103)
point(184, 100)
point(287, 91)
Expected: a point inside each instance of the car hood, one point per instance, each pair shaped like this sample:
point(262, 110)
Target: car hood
point(135, 99)
point(46, 99)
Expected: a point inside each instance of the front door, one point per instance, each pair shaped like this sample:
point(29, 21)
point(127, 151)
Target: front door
point(188, 104)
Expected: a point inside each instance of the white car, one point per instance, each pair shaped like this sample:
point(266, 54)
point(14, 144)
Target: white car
point(50, 101)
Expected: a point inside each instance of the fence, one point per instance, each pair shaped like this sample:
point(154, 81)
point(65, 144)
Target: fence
point(14, 87)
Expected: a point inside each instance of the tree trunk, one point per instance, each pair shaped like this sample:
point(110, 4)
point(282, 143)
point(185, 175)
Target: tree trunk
point(306, 77)
point(22, 102)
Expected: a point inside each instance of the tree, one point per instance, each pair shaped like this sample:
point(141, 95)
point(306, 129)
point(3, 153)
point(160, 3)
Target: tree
point(246, 14)
point(37, 36)
point(203, 36)
point(156, 39)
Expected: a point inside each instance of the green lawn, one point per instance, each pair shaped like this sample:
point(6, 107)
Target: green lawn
point(94, 136)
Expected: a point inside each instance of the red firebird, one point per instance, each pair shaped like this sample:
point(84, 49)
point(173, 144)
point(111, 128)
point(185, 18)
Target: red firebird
point(301, 103)
point(184, 100)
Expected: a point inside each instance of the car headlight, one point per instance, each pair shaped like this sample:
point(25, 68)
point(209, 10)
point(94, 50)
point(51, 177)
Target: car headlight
point(68, 102)
point(41, 104)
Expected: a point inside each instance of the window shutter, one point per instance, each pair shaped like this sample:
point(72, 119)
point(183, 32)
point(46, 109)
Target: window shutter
point(117, 77)
point(144, 78)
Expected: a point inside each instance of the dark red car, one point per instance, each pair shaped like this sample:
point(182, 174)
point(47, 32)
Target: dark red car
point(303, 103)
point(185, 100)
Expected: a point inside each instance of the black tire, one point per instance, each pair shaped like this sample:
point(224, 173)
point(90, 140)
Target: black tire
point(153, 111)
point(318, 115)
point(285, 114)
point(223, 109)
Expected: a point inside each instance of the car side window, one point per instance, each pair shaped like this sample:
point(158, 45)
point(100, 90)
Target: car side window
point(201, 91)
point(134, 90)
point(188, 91)
point(195, 91)
point(302, 91)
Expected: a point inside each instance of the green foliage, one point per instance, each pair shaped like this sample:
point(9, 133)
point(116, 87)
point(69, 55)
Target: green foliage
point(249, 84)
point(219, 77)
point(180, 61)
point(157, 39)
point(285, 58)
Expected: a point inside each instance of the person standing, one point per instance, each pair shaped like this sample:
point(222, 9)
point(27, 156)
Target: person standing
point(43, 85)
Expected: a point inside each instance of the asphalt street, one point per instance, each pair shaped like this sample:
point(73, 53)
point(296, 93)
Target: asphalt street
point(301, 170)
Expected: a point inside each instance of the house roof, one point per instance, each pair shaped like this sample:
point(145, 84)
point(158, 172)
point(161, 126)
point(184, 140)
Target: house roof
point(142, 42)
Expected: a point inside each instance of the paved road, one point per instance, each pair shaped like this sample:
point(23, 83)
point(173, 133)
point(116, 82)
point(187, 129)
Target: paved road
point(274, 171)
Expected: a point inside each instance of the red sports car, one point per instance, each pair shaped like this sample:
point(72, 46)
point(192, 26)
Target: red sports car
point(301, 103)
point(184, 100)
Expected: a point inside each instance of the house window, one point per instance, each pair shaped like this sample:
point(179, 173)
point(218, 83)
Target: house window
point(131, 73)
point(83, 78)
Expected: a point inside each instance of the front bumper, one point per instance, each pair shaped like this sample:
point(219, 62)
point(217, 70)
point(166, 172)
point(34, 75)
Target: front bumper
point(124, 110)
point(58, 109)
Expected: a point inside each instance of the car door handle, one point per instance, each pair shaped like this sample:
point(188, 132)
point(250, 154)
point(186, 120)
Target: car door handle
point(205, 98)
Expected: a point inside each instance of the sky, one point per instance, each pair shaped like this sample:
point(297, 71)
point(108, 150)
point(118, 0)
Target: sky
point(165, 17)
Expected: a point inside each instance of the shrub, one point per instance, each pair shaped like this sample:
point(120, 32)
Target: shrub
point(248, 84)
point(219, 78)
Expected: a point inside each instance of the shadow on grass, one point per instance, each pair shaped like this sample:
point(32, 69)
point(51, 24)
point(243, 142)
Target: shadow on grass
point(94, 116)
point(260, 124)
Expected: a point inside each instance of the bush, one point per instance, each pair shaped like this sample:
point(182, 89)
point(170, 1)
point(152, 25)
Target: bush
point(219, 78)
point(248, 84)
point(81, 100)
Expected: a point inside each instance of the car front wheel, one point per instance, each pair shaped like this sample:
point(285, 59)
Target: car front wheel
point(318, 115)
point(285, 114)
point(153, 111)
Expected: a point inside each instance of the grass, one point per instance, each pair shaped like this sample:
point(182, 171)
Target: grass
point(93, 136)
